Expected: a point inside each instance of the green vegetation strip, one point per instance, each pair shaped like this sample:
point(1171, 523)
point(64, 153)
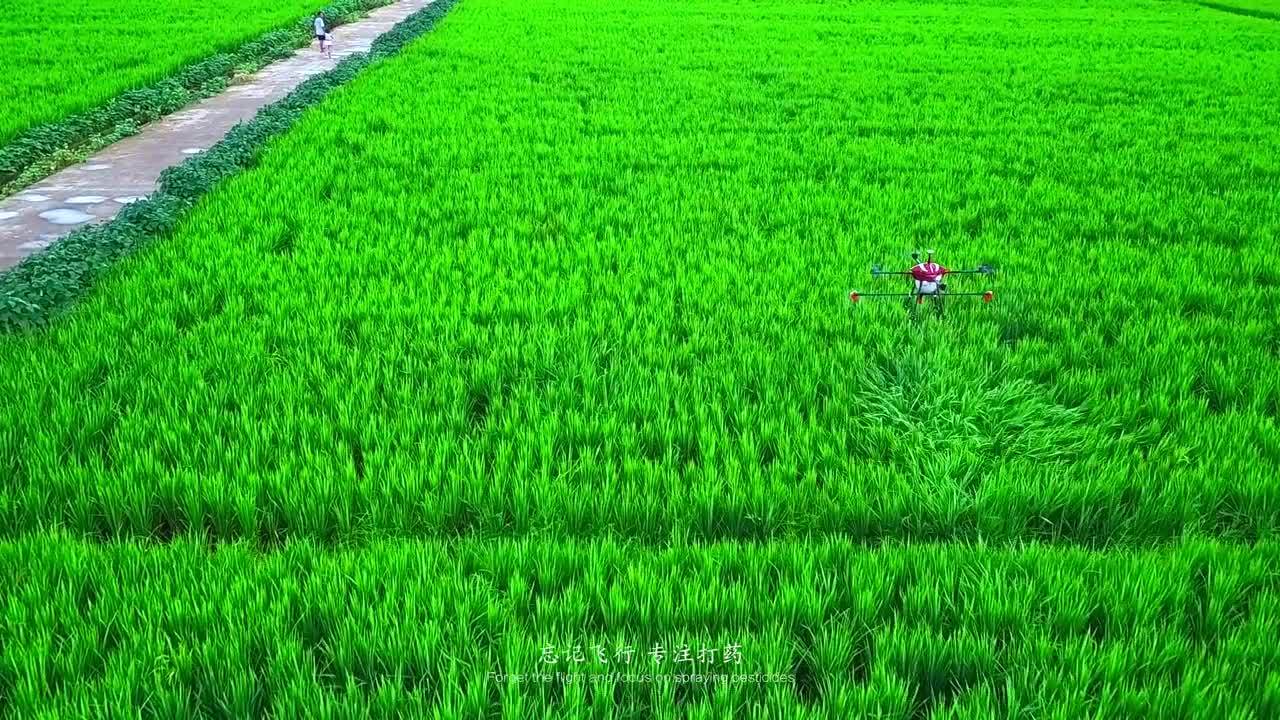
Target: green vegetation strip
point(813, 630)
point(36, 152)
point(34, 290)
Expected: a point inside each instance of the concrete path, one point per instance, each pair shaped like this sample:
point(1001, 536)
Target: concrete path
point(95, 190)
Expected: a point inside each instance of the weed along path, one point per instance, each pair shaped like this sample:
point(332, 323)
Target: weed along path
point(95, 190)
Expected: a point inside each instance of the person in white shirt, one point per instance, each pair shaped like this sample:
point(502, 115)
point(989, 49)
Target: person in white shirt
point(321, 32)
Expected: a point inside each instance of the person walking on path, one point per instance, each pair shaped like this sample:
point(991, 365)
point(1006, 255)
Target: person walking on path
point(322, 33)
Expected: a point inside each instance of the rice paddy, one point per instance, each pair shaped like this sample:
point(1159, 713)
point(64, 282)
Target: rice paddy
point(60, 58)
point(538, 334)
point(516, 629)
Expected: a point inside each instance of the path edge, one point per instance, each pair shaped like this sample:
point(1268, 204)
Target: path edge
point(35, 290)
point(38, 152)
point(1241, 11)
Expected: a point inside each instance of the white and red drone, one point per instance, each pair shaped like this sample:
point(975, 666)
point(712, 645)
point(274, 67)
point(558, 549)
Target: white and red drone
point(927, 282)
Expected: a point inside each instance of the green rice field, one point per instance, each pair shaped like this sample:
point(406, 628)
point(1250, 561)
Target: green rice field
point(62, 58)
point(424, 629)
point(537, 337)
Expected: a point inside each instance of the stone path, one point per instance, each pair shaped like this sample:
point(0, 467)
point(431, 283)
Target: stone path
point(95, 190)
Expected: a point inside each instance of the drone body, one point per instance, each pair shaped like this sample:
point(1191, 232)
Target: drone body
point(927, 282)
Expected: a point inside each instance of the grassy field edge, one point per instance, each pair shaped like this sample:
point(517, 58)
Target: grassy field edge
point(43, 150)
point(42, 284)
point(1239, 10)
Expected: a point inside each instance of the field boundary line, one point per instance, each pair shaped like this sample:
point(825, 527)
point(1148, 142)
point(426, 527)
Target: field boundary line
point(268, 543)
point(40, 285)
point(452, 545)
point(41, 151)
point(1243, 12)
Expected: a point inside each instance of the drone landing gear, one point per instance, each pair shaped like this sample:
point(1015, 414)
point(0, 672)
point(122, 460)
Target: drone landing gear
point(913, 302)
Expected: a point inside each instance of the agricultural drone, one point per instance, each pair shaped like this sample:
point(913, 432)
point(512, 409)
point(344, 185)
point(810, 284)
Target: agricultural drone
point(926, 279)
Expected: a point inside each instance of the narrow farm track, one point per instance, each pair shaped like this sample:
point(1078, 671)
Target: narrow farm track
point(95, 190)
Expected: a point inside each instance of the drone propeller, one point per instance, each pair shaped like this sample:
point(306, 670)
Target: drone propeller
point(980, 270)
point(987, 295)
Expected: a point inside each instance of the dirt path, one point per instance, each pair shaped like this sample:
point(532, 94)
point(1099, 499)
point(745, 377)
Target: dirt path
point(96, 189)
